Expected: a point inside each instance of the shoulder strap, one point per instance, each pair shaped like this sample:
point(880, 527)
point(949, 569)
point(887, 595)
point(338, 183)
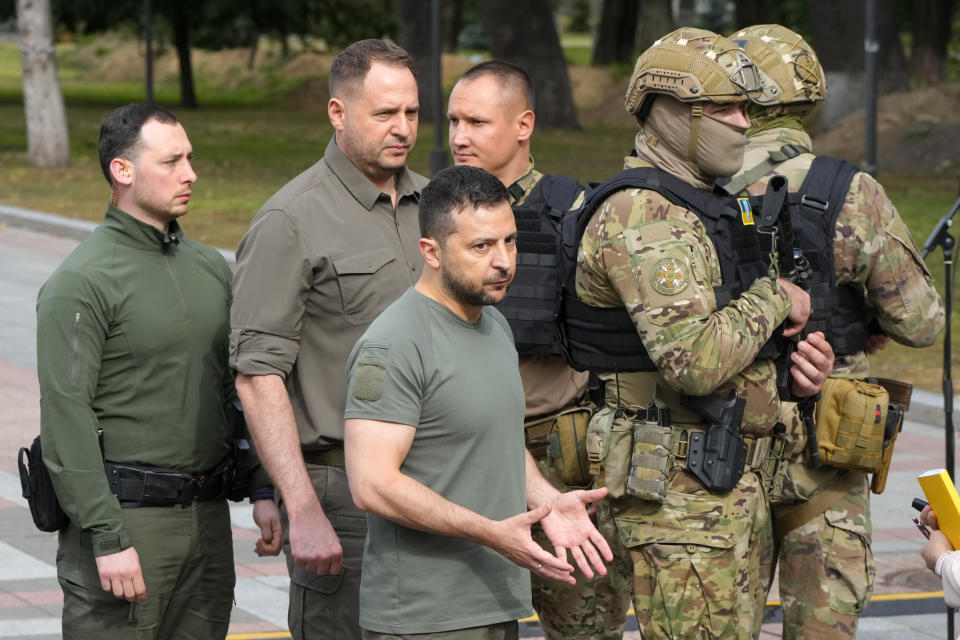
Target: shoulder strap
point(768, 164)
point(825, 188)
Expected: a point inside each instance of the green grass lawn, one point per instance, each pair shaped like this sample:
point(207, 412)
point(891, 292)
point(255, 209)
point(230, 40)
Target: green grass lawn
point(246, 151)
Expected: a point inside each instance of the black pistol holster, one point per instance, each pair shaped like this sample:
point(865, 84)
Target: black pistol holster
point(718, 456)
point(38, 489)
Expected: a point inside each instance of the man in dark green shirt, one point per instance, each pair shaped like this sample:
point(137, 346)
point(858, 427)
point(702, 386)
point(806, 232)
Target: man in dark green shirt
point(132, 359)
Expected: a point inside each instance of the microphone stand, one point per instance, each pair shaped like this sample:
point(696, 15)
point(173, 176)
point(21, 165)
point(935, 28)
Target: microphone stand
point(941, 237)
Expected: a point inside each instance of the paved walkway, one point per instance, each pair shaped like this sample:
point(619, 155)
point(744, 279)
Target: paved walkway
point(907, 602)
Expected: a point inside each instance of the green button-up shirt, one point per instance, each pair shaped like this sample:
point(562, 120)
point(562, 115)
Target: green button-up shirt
point(132, 338)
point(322, 258)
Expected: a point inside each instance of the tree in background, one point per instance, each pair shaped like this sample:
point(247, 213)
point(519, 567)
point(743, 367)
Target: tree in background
point(413, 26)
point(837, 30)
point(48, 144)
point(616, 32)
point(932, 20)
point(525, 34)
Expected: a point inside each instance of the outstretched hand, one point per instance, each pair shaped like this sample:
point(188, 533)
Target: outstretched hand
point(512, 540)
point(568, 526)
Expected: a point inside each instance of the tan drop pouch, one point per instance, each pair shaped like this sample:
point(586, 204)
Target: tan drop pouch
point(567, 446)
point(850, 420)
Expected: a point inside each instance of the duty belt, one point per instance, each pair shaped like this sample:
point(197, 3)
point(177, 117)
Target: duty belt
point(146, 486)
point(765, 456)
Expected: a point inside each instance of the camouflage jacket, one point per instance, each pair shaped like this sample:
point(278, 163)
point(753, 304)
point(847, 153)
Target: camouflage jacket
point(872, 246)
point(656, 259)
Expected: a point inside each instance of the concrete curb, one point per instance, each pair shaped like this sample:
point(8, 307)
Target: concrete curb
point(925, 406)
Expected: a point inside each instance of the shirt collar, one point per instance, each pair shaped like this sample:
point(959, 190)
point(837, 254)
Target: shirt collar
point(359, 185)
point(524, 184)
point(139, 233)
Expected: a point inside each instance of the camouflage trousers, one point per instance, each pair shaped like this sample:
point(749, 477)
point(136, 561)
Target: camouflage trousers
point(826, 567)
point(593, 609)
point(701, 562)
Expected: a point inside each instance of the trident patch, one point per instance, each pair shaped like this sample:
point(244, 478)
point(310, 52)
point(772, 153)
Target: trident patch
point(746, 211)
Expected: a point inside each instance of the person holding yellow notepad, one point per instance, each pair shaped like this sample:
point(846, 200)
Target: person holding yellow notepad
point(939, 552)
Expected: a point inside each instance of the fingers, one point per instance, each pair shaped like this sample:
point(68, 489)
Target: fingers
point(538, 514)
point(552, 567)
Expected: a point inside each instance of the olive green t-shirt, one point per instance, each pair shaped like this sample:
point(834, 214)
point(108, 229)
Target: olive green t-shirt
point(457, 383)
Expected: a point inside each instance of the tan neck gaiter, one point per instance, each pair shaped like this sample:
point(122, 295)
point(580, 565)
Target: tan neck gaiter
point(664, 140)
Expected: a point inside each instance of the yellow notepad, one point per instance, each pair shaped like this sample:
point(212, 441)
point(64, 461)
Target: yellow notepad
point(943, 499)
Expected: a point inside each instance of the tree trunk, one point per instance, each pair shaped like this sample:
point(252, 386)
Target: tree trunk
point(655, 21)
point(454, 23)
point(48, 144)
point(252, 57)
point(413, 22)
point(525, 34)
point(843, 57)
point(615, 35)
point(181, 37)
point(931, 33)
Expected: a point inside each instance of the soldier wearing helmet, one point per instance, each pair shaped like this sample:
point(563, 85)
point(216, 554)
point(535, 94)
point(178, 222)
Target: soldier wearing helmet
point(689, 465)
point(879, 289)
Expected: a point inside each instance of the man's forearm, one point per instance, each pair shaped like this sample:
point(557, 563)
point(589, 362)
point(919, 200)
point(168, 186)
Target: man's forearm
point(539, 489)
point(270, 420)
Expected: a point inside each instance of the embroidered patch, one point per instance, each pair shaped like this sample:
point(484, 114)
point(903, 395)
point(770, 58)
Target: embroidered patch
point(670, 276)
point(370, 373)
point(746, 211)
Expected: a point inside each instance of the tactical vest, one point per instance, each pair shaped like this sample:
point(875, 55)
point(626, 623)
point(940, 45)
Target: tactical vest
point(840, 312)
point(605, 339)
point(533, 299)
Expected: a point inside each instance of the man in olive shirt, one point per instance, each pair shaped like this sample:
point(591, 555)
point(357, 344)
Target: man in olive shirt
point(133, 333)
point(322, 258)
point(434, 445)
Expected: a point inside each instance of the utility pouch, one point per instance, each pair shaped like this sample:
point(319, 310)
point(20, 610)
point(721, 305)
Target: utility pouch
point(652, 455)
point(851, 420)
point(567, 446)
point(718, 456)
point(38, 489)
point(608, 449)
point(900, 393)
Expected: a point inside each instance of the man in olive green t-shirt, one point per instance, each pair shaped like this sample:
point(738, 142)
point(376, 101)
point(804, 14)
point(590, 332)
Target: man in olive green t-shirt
point(434, 438)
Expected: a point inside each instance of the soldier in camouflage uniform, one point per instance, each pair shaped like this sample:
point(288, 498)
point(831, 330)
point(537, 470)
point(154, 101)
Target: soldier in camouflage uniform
point(826, 566)
point(491, 115)
point(701, 560)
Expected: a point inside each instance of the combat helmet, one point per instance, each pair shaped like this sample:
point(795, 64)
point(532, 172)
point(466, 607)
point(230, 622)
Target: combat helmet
point(789, 69)
point(692, 65)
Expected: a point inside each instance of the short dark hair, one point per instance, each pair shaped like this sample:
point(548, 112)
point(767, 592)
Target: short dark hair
point(120, 132)
point(454, 189)
point(507, 75)
point(352, 64)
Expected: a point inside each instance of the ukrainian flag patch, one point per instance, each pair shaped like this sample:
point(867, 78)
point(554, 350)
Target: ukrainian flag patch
point(746, 211)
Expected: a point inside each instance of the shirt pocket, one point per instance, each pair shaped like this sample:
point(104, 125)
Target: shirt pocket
point(367, 284)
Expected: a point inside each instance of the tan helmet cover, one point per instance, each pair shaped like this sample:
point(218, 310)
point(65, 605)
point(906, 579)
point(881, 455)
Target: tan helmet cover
point(789, 68)
point(692, 65)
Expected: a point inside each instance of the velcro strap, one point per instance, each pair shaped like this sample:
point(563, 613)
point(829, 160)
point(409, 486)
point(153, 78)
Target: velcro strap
point(644, 486)
point(651, 436)
point(649, 462)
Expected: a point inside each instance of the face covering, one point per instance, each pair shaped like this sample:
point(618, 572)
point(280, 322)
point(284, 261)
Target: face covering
point(696, 147)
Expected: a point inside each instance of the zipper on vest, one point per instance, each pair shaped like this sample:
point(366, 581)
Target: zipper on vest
point(75, 347)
